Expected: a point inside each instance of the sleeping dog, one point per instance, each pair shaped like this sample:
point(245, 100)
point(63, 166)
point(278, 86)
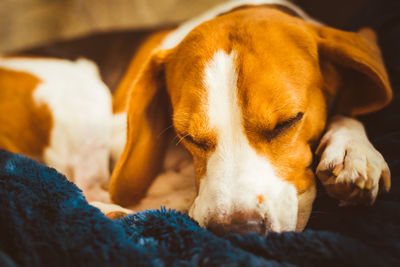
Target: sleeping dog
point(249, 88)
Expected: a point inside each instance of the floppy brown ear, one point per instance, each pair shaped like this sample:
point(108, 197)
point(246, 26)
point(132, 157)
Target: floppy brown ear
point(364, 85)
point(147, 118)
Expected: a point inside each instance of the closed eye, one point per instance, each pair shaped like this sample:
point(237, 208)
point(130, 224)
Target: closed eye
point(198, 143)
point(282, 127)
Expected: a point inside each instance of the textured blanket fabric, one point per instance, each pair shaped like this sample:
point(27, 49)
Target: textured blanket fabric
point(45, 221)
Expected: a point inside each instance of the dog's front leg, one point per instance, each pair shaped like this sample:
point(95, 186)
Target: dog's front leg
point(350, 168)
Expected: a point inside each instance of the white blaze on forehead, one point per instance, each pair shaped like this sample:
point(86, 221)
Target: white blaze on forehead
point(220, 81)
point(236, 174)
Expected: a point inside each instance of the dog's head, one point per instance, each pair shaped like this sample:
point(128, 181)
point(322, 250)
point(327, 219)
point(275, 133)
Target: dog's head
point(248, 93)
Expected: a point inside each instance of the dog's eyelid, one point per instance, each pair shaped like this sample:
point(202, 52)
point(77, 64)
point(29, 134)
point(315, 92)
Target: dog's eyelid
point(282, 126)
point(201, 144)
point(290, 121)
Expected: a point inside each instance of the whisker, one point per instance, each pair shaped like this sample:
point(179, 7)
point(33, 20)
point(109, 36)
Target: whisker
point(181, 139)
point(166, 129)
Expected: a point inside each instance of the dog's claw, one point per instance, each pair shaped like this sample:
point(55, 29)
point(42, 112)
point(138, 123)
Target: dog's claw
point(350, 168)
point(386, 180)
point(337, 169)
point(368, 184)
point(361, 183)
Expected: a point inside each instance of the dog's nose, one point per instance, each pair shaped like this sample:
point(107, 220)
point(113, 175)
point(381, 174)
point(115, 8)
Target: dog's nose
point(240, 223)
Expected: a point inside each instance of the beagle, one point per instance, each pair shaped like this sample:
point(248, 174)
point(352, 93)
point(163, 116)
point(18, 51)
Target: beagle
point(59, 113)
point(249, 88)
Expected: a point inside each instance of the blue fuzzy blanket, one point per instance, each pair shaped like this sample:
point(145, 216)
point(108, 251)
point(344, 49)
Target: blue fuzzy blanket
point(45, 220)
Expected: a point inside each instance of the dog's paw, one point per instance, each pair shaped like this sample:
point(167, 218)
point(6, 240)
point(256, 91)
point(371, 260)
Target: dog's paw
point(350, 168)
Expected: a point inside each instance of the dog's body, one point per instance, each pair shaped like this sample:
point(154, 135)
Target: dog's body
point(249, 86)
point(58, 112)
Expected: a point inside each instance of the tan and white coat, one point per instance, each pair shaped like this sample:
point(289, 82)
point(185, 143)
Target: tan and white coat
point(247, 88)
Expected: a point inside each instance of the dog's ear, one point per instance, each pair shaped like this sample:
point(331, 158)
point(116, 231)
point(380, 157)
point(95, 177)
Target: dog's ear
point(364, 84)
point(147, 118)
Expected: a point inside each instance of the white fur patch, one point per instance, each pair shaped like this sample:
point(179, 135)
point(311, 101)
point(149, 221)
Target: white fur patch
point(236, 174)
point(174, 38)
point(118, 135)
point(80, 104)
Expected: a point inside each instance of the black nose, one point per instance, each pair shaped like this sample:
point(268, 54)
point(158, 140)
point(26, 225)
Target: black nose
point(239, 223)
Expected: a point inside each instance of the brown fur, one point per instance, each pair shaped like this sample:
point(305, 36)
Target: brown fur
point(142, 55)
point(285, 66)
point(25, 125)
